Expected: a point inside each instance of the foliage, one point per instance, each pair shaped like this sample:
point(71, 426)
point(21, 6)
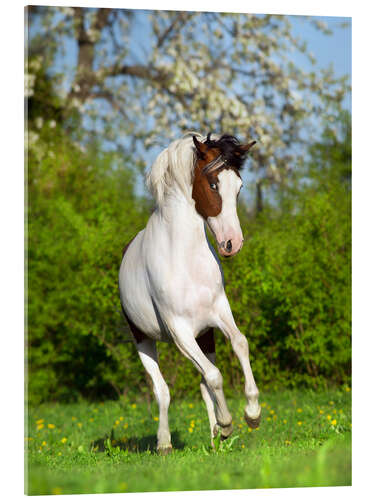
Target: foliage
point(289, 287)
point(303, 440)
point(82, 211)
point(196, 70)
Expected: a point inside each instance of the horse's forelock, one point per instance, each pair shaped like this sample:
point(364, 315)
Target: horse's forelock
point(230, 149)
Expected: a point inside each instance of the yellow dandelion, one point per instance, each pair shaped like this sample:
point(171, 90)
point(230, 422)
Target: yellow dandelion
point(190, 429)
point(56, 491)
point(240, 426)
point(40, 421)
point(64, 440)
point(299, 410)
point(117, 422)
point(156, 419)
point(249, 429)
point(272, 412)
point(329, 417)
point(91, 419)
point(263, 404)
point(274, 417)
point(350, 425)
point(40, 426)
point(74, 418)
point(334, 422)
point(44, 443)
point(347, 389)
point(190, 405)
point(268, 419)
point(334, 411)
point(284, 421)
point(299, 422)
point(257, 429)
point(340, 411)
point(192, 424)
point(242, 446)
point(79, 424)
point(287, 442)
point(331, 403)
point(121, 419)
point(51, 426)
point(125, 426)
point(321, 412)
point(134, 406)
point(59, 454)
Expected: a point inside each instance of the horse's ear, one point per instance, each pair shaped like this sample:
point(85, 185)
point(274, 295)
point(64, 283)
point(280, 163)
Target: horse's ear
point(245, 147)
point(200, 147)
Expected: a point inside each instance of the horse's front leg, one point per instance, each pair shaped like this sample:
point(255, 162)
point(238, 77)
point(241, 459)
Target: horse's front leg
point(240, 346)
point(184, 339)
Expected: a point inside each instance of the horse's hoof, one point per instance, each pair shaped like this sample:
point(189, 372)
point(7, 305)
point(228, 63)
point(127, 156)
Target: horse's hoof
point(165, 450)
point(253, 423)
point(225, 431)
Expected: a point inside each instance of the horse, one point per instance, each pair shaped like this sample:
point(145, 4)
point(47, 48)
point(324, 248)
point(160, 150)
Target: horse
point(171, 280)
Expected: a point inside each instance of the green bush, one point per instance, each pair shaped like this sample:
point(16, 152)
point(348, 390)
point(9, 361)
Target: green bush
point(289, 288)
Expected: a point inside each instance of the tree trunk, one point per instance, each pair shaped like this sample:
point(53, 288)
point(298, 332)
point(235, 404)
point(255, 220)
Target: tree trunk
point(259, 197)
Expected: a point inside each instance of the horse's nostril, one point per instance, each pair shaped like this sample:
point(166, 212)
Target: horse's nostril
point(229, 246)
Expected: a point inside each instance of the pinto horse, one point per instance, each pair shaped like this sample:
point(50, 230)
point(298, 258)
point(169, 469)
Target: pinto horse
point(171, 281)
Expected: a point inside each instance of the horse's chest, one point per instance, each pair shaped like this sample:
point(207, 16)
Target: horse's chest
point(195, 287)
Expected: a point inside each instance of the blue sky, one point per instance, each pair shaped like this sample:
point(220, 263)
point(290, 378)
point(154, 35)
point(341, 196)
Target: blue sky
point(333, 49)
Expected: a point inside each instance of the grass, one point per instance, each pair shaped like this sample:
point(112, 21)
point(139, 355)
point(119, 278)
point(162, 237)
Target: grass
point(304, 440)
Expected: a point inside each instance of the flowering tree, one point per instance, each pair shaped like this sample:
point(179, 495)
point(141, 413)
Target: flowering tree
point(188, 71)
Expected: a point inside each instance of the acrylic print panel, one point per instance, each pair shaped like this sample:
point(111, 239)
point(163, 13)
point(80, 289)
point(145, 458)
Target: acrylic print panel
point(109, 90)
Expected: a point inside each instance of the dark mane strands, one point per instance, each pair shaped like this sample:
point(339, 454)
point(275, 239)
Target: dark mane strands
point(230, 149)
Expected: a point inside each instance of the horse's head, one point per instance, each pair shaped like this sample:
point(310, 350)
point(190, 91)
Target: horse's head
point(216, 185)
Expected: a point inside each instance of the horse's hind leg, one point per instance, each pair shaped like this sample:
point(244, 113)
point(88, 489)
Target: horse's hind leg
point(207, 343)
point(148, 354)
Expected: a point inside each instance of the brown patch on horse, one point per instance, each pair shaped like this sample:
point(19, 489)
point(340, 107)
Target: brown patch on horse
point(137, 333)
point(208, 202)
point(207, 341)
point(126, 247)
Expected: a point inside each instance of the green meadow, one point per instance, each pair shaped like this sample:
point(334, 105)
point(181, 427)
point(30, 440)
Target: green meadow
point(304, 440)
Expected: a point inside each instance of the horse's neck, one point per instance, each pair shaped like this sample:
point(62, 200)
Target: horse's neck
point(182, 224)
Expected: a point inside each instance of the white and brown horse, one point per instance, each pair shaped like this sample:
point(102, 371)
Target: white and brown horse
point(171, 280)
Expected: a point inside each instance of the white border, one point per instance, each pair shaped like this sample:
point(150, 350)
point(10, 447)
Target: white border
point(11, 33)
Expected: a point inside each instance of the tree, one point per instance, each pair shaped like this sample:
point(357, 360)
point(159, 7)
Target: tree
point(204, 71)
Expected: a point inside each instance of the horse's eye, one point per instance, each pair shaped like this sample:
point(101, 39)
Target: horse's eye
point(213, 186)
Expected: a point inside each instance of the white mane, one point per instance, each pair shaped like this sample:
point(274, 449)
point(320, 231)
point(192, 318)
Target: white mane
point(173, 168)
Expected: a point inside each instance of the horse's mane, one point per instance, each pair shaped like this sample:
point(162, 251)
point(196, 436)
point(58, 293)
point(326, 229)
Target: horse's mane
point(174, 166)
